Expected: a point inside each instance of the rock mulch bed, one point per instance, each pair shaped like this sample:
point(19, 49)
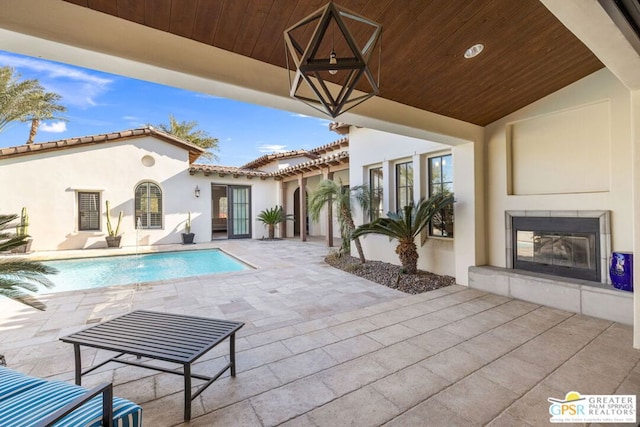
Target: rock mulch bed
point(390, 275)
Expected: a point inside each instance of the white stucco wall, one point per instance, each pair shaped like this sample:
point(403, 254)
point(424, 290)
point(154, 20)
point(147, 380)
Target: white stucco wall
point(47, 184)
point(369, 148)
point(600, 88)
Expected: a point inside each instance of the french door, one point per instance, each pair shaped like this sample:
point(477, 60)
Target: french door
point(239, 211)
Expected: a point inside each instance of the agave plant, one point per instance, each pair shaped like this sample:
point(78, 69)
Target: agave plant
point(341, 197)
point(271, 217)
point(18, 275)
point(406, 225)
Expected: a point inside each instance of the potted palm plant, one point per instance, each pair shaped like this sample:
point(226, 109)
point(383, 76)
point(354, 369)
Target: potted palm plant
point(113, 237)
point(188, 236)
point(271, 217)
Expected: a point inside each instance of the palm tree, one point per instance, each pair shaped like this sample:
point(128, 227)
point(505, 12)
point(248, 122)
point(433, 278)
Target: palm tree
point(185, 130)
point(273, 216)
point(26, 100)
point(406, 225)
point(341, 196)
point(44, 106)
point(19, 274)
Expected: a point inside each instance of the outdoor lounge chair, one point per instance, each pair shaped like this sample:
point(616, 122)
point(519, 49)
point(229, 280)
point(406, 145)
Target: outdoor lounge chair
point(29, 401)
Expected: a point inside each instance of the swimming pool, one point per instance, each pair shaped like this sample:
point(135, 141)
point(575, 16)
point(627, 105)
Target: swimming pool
point(98, 272)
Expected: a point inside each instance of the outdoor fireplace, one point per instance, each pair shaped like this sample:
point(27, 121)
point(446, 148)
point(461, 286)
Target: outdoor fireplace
point(561, 243)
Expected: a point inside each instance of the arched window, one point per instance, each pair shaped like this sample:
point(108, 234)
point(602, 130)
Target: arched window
point(148, 202)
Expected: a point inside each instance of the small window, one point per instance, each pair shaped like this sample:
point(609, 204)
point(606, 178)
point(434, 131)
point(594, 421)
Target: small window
point(148, 203)
point(88, 211)
point(376, 188)
point(441, 181)
point(404, 185)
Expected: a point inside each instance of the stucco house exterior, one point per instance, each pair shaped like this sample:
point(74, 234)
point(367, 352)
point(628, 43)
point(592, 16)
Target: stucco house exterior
point(155, 180)
point(574, 153)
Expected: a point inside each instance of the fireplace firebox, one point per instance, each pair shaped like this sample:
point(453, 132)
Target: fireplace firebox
point(567, 247)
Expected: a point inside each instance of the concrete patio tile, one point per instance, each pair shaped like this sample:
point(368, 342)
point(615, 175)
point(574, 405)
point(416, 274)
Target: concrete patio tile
point(286, 306)
point(238, 415)
point(399, 355)
point(533, 407)
point(431, 413)
point(352, 348)
point(362, 408)
point(140, 391)
point(453, 364)
point(291, 400)
point(309, 341)
point(596, 382)
point(513, 374)
point(410, 386)
point(507, 420)
point(427, 322)
point(272, 335)
point(488, 346)
point(514, 333)
point(477, 324)
point(476, 398)
point(352, 328)
point(392, 334)
point(517, 308)
point(258, 356)
point(436, 341)
point(301, 421)
point(229, 390)
point(350, 376)
point(631, 383)
point(301, 365)
point(316, 324)
point(169, 410)
point(388, 318)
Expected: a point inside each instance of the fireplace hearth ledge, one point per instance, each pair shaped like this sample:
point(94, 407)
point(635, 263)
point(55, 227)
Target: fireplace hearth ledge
point(578, 296)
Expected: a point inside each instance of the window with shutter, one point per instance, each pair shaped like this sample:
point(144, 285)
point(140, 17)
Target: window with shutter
point(88, 211)
point(148, 205)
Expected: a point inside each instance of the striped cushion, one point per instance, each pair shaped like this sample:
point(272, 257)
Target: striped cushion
point(12, 382)
point(32, 405)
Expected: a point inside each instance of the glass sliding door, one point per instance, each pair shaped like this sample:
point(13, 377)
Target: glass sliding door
point(239, 211)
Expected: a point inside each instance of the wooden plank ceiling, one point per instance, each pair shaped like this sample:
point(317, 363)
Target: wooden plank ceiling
point(528, 53)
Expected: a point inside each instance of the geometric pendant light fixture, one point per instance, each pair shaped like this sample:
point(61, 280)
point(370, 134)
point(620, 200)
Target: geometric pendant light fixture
point(332, 50)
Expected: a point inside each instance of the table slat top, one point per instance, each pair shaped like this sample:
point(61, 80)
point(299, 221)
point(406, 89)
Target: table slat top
point(163, 336)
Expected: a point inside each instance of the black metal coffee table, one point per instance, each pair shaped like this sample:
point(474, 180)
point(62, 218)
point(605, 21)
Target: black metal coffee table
point(160, 336)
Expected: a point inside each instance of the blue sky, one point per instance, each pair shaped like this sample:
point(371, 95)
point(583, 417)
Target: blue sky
point(99, 102)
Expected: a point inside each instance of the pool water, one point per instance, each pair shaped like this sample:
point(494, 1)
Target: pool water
point(89, 273)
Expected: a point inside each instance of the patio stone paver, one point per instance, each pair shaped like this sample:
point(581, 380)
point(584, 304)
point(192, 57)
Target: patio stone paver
point(321, 347)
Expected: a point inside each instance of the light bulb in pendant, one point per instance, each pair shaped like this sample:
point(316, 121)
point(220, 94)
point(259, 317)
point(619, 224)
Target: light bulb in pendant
point(333, 61)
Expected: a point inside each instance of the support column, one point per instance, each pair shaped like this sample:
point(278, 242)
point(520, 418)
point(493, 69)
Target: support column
point(283, 203)
point(302, 184)
point(329, 238)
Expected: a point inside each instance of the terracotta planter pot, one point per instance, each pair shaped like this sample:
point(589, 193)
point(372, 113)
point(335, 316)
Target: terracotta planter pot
point(113, 241)
point(23, 249)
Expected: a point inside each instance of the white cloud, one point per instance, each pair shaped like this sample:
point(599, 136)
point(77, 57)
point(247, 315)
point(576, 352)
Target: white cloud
point(303, 116)
point(131, 118)
point(55, 127)
point(76, 86)
point(272, 148)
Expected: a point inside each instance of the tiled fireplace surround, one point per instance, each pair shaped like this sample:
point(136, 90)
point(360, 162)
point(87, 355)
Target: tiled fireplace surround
point(579, 296)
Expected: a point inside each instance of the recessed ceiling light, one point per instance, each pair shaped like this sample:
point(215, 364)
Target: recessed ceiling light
point(474, 50)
